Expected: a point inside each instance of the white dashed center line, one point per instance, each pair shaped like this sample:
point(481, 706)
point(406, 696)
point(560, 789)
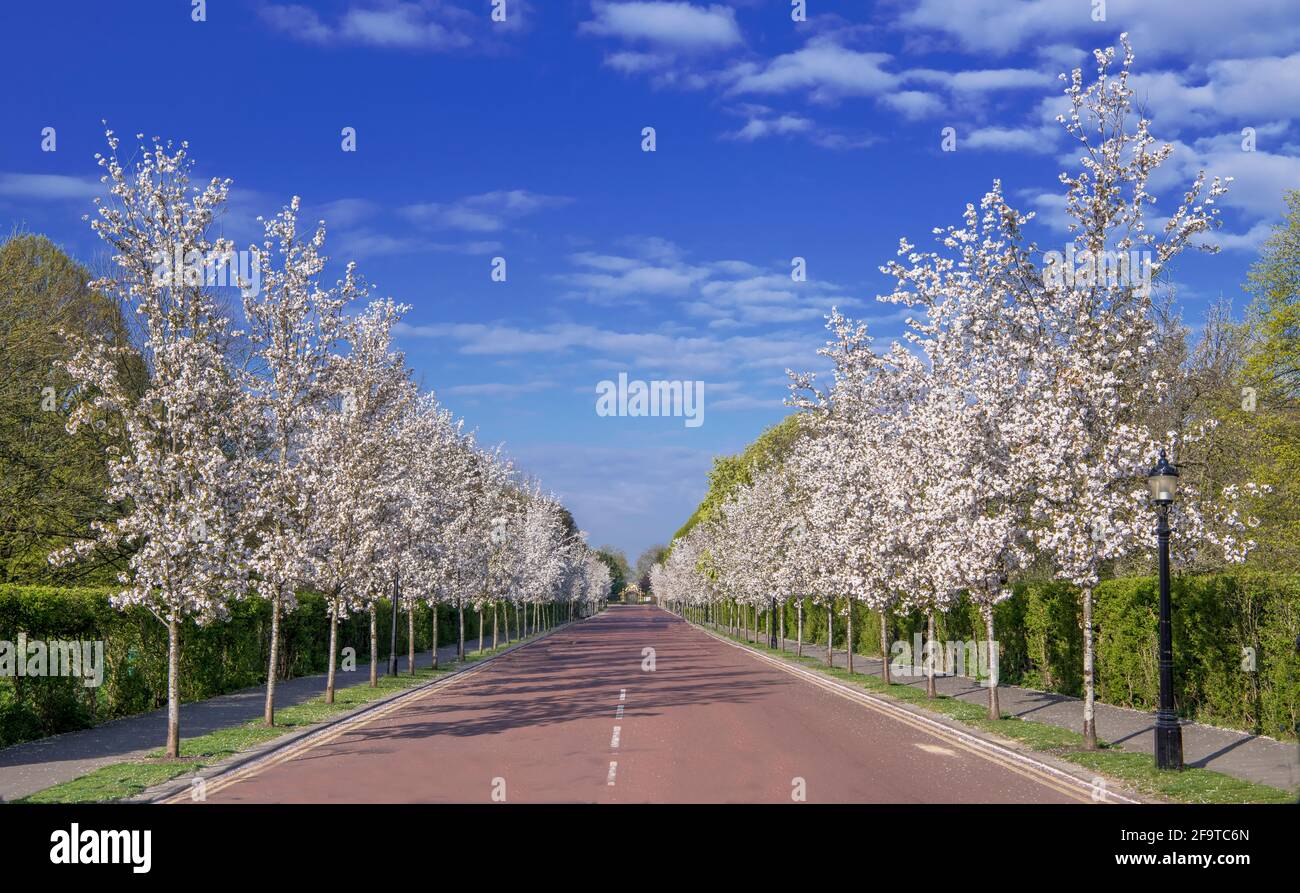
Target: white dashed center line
point(618, 714)
point(613, 770)
point(622, 694)
point(613, 741)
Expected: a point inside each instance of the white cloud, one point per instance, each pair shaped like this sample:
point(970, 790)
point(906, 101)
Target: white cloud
point(1248, 242)
point(632, 62)
point(727, 293)
point(757, 127)
point(500, 389)
point(984, 80)
point(1246, 91)
point(1259, 178)
point(914, 104)
point(49, 187)
point(486, 213)
point(346, 211)
point(368, 243)
point(824, 68)
point(1184, 27)
point(300, 22)
point(1012, 139)
point(677, 25)
point(420, 25)
point(671, 355)
point(403, 25)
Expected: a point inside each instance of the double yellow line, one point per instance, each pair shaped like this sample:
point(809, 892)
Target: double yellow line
point(221, 781)
point(1024, 766)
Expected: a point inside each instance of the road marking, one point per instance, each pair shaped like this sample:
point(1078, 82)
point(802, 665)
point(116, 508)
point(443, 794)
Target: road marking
point(332, 732)
point(936, 749)
point(618, 714)
point(622, 694)
point(1022, 765)
point(613, 770)
point(613, 741)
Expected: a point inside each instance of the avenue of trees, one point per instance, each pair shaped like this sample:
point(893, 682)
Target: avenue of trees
point(1009, 437)
point(197, 455)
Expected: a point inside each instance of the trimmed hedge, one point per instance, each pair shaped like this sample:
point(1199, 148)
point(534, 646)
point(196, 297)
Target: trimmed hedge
point(215, 659)
point(1216, 617)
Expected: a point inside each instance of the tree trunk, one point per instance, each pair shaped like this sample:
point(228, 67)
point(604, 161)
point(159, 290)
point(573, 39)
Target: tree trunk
point(410, 636)
point(782, 631)
point(480, 629)
point(929, 656)
point(494, 626)
point(374, 647)
point(798, 642)
point(848, 637)
point(173, 688)
point(435, 635)
point(1089, 687)
point(268, 709)
point(460, 641)
point(884, 645)
point(334, 648)
point(995, 711)
point(392, 632)
point(830, 633)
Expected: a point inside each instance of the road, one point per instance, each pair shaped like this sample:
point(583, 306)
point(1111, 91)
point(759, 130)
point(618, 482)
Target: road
point(580, 717)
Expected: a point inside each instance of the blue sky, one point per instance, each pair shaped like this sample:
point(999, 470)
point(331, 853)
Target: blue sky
point(522, 139)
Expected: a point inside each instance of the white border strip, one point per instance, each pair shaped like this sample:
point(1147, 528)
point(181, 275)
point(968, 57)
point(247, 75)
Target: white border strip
point(973, 741)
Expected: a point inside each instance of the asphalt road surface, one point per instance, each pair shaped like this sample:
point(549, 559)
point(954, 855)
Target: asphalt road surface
point(580, 717)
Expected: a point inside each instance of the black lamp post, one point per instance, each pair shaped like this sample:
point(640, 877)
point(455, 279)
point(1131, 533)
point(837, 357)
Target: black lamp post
point(1163, 481)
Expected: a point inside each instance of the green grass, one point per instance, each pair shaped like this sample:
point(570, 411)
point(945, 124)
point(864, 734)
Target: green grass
point(1135, 771)
point(128, 779)
point(1138, 772)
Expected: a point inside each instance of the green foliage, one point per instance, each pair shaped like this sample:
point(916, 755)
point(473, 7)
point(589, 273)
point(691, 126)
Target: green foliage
point(1216, 618)
point(1274, 283)
point(619, 570)
point(1134, 770)
point(215, 659)
point(730, 472)
point(51, 482)
point(121, 780)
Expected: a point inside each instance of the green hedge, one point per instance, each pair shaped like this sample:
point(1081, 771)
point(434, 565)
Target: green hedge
point(1040, 631)
point(215, 659)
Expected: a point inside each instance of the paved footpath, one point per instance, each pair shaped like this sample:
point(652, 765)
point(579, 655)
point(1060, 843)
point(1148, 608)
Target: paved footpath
point(1239, 754)
point(580, 717)
point(35, 765)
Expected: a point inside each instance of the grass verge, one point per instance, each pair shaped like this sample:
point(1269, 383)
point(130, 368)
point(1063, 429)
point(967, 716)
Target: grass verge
point(127, 779)
point(1135, 771)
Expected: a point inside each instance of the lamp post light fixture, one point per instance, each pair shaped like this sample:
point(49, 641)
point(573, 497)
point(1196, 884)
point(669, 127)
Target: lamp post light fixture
point(1163, 481)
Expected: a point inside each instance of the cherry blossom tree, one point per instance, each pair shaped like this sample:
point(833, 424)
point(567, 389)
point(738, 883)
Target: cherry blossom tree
point(293, 326)
point(349, 463)
point(180, 474)
point(1091, 447)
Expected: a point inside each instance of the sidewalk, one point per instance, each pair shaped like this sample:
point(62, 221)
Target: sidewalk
point(34, 765)
point(1239, 754)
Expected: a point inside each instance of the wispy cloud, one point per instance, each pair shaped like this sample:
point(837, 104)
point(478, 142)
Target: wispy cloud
point(678, 26)
point(49, 187)
point(415, 25)
point(488, 212)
